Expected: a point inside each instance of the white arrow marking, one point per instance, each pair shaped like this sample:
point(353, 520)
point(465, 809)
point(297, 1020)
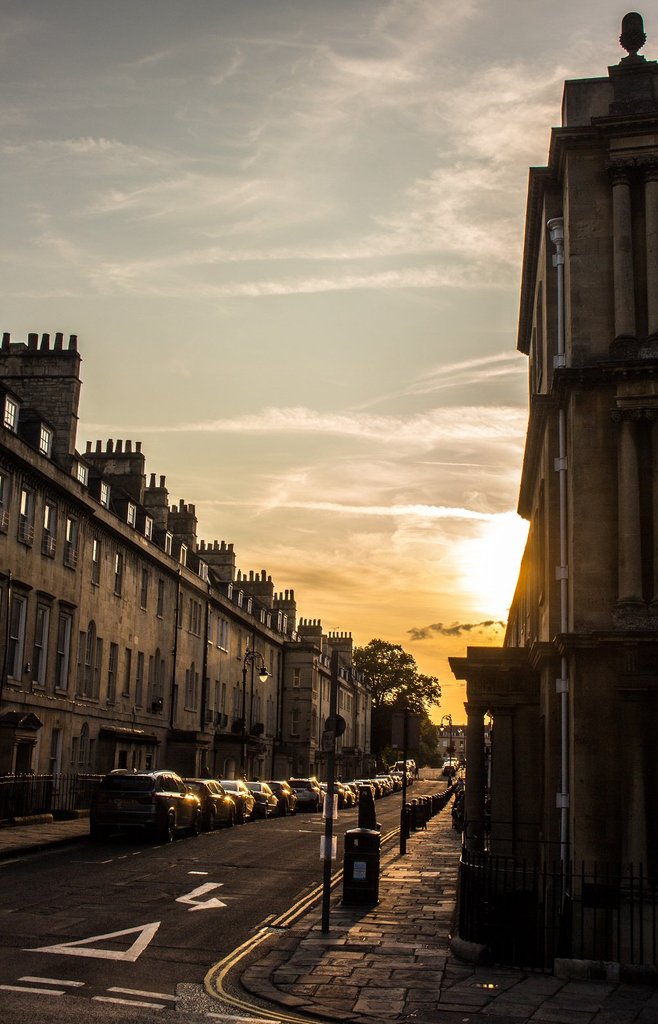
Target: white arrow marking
point(81, 947)
point(197, 904)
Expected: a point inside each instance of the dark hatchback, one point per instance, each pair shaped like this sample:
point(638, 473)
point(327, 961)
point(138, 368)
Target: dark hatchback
point(286, 797)
point(157, 803)
point(217, 807)
point(267, 803)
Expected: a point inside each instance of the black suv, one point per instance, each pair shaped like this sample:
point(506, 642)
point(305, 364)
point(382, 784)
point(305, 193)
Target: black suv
point(158, 803)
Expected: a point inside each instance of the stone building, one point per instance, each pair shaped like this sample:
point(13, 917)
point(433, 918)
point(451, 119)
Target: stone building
point(573, 691)
point(127, 641)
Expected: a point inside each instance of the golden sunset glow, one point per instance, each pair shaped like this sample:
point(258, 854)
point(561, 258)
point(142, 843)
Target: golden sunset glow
point(490, 564)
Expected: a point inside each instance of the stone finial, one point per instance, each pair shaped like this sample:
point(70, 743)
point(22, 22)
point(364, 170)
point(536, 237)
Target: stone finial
point(633, 37)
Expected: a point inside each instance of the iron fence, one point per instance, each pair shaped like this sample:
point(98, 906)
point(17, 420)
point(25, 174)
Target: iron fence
point(23, 795)
point(528, 913)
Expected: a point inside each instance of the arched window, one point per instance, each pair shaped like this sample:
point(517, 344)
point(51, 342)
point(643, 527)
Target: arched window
point(92, 662)
point(84, 747)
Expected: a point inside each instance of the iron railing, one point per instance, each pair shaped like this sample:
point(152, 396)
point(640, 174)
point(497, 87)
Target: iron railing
point(23, 795)
point(528, 913)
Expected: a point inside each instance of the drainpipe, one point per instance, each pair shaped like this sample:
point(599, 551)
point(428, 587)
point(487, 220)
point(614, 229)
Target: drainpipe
point(556, 230)
point(174, 684)
point(5, 656)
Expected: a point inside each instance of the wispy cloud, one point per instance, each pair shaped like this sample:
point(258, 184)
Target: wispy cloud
point(471, 371)
point(444, 425)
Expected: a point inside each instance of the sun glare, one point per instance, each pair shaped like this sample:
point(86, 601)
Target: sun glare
point(489, 564)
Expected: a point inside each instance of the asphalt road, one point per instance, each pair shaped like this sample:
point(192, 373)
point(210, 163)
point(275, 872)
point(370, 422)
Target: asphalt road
point(123, 924)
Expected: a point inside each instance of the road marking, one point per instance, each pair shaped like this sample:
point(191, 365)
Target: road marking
point(197, 904)
point(81, 947)
point(53, 981)
point(41, 991)
point(198, 872)
point(128, 1002)
point(139, 992)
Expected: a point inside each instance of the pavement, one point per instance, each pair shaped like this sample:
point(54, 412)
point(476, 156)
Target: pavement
point(389, 962)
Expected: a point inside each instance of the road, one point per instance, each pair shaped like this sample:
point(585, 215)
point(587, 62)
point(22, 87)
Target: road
point(126, 926)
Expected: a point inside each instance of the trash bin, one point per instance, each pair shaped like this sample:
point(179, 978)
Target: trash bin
point(361, 867)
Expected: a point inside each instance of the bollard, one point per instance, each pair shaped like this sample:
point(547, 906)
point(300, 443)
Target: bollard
point(361, 867)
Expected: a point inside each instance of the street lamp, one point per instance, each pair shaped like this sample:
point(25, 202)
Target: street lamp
point(448, 719)
point(250, 658)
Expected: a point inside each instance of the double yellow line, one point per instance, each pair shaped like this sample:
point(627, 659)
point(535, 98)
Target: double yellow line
point(214, 981)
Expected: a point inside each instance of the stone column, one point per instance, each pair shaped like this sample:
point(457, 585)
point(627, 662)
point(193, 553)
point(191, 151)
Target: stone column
point(502, 782)
point(622, 245)
point(651, 207)
point(474, 796)
point(636, 809)
point(654, 507)
point(628, 499)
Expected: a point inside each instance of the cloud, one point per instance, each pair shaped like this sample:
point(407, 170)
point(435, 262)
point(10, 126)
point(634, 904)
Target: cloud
point(416, 512)
point(484, 424)
point(469, 372)
point(455, 629)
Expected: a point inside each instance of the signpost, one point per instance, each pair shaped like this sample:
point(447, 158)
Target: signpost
point(334, 726)
point(405, 733)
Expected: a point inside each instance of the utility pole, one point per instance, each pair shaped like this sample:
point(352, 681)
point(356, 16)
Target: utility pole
point(329, 743)
point(403, 808)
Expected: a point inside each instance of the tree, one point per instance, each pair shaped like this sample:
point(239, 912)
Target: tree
point(393, 677)
point(395, 684)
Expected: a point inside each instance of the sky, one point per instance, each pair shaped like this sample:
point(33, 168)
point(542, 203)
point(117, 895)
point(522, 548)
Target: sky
point(288, 235)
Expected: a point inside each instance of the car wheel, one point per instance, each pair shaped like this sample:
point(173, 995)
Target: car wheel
point(195, 828)
point(284, 808)
point(231, 818)
point(240, 816)
point(212, 820)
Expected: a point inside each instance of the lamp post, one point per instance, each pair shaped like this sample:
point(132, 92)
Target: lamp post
point(448, 719)
point(250, 658)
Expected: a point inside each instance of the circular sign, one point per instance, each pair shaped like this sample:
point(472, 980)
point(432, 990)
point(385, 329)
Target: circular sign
point(335, 724)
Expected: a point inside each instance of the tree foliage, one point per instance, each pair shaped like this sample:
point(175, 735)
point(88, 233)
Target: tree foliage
point(393, 677)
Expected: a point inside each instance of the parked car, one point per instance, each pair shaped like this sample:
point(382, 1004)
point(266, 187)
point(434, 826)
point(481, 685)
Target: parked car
point(387, 782)
point(286, 797)
point(266, 805)
point(449, 769)
point(217, 807)
point(242, 797)
point(309, 794)
point(158, 803)
point(346, 798)
point(369, 783)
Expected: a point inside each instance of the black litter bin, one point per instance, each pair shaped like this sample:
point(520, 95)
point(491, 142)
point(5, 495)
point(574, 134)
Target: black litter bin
point(361, 867)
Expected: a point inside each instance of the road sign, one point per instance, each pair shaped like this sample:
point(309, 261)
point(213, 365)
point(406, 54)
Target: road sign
point(335, 724)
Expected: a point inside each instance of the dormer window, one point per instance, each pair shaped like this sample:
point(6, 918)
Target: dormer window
point(10, 418)
point(183, 554)
point(81, 473)
point(148, 527)
point(203, 571)
point(105, 495)
point(240, 596)
point(168, 542)
point(45, 440)
point(131, 514)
